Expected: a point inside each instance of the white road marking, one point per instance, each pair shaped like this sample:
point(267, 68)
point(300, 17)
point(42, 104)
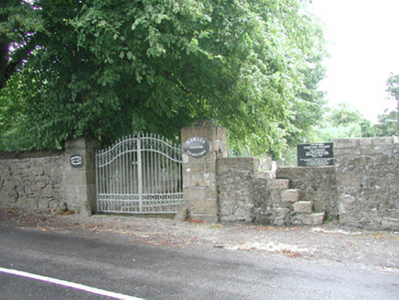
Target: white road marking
point(69, 284)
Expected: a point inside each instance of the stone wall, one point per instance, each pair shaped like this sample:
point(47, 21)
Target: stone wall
point(47, 180)
point(367, 173)
point(31, 180)
point(246, 194)
point(317, 184)
point(361, 190)
point(235, 178)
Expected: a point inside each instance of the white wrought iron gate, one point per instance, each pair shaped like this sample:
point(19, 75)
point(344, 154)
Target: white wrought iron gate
point(139, 174)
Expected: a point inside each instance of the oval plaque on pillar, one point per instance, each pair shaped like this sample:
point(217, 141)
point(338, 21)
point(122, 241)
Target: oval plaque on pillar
point(196, 146)
point(76, 161)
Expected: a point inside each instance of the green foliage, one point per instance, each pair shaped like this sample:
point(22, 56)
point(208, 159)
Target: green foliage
point(388, 124)
point(14, 111)
point(393, 86)
point(103, 69)
point(342, 122)
point(342, 115)
point(338, 122)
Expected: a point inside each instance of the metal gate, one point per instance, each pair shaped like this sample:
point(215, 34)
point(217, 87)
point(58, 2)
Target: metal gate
point(139, 174)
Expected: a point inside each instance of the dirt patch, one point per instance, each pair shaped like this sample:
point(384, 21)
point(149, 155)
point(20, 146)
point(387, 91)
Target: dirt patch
point(328, 242)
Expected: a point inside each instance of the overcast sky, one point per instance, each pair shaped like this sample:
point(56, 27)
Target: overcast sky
point(364, 47)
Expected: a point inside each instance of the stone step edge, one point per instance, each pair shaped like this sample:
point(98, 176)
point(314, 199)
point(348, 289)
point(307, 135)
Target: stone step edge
point(303, 207)
point(277, 184)
point(290, 195)
point(265, 175)
point(310, 219)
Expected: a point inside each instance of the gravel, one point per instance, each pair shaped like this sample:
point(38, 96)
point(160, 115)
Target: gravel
point(327, 243)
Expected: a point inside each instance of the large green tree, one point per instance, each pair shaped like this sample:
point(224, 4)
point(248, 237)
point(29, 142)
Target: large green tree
point(103, 69)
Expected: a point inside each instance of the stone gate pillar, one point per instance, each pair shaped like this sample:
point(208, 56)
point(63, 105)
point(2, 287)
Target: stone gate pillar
point(79, 180)
point(202, 145)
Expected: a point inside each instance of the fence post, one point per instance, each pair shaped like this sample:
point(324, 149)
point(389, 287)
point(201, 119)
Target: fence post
point(207, 143)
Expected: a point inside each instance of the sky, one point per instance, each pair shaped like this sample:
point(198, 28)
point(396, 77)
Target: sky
point(363, 45)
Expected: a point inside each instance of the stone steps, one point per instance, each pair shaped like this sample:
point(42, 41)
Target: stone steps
point(290, 195)
point(265, 175)
point(303, 211)
point(311, 219)
point(303, 207)
point(277, 184)
point(286, 206)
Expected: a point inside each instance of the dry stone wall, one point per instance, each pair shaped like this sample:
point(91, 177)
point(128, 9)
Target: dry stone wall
point(245, 194)
point(235, 188)
point(367, 173)
point(47, 180)
point(316, 184)
point(31, 180)
point(361, 189)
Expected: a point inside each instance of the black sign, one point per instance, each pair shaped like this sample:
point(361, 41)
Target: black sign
point(76, 161)
point(319, 154)
point(196, 146)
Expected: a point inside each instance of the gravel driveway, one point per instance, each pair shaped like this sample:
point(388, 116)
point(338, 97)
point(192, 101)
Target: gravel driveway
point(327, 243)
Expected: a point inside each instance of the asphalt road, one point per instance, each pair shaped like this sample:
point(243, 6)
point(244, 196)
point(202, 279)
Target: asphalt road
point(153, 272)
